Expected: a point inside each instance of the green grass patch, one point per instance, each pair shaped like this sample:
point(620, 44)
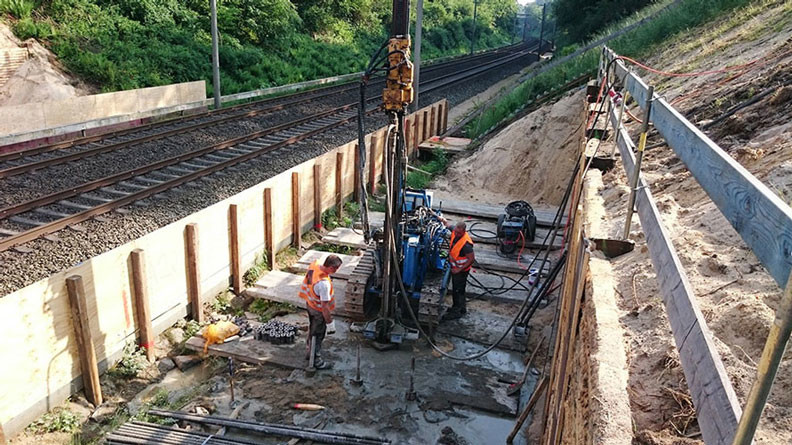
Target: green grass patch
point(334, 248)
point(266, 309)
point(260, 265)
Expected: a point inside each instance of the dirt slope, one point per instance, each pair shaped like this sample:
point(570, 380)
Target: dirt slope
point(516, 163)
point(40, 79)
point(736, 294)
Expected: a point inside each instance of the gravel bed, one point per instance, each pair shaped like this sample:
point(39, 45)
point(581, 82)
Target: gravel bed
point(116, 228)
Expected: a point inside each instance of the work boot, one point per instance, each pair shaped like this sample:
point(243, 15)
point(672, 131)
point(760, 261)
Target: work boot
point(452, 314)
point(321, 364)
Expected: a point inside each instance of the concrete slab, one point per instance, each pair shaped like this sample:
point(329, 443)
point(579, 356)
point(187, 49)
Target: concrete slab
point(347, 267)
point(483, 327)
point(284, 287)
point(343, 236)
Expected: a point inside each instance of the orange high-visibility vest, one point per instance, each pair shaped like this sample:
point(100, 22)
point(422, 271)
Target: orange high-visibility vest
point(307, 293)
point(456, 248)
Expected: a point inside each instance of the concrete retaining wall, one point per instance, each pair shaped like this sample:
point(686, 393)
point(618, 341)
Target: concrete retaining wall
point(27, 118)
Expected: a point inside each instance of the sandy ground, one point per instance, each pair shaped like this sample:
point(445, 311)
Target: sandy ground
point(516, 163)
point(735, 292)
point(40, 79)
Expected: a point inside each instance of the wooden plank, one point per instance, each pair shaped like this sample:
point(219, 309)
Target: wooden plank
point(348, 263)
point(269, 243)
point(432, 120)
point(317, 196)
point(140, 296)
point(85, 344)
point(445, 115)
point(717, 407)
point(193, 271)
point(416, 130)
point(440, 118)
point(285, 287)
point(425, 125)
point(233, 246)
point(343, 236)
point(372, 158)
point(295, 223)
point(758, 214)
point(356, 175)
point(544, 214)
point(339, 184)
point(408, 147)
point(250, 350)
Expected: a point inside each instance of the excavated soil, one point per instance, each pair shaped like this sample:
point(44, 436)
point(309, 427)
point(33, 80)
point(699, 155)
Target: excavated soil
point(517, 162)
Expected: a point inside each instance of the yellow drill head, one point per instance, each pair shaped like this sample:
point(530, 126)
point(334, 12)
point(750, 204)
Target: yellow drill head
point(398, 92)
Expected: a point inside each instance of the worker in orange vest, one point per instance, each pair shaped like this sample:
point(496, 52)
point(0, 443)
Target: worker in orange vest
point(317, 291)
point(461, 256)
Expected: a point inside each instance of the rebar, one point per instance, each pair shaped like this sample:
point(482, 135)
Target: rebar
point(276, 429)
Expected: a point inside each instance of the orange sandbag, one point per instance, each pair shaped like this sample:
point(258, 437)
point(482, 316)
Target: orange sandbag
point(216, 333)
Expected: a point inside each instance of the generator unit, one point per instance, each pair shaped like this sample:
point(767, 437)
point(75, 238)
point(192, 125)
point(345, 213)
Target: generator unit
point(516, 227)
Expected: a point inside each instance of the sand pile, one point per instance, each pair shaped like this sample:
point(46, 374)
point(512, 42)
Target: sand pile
point(531, 159)
point(40, 79)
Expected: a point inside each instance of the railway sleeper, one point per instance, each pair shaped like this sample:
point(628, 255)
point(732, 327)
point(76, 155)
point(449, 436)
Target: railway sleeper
point(26, 221)
point(74, 205)
point(95, 198)
point(50, 213)
point(216, 158)
point(236, 151)
point(148, 180)
point(131, 185)
point(112, 191)
point(183, 171)
point(8, 232)
point(195, 166)
point(163, 174)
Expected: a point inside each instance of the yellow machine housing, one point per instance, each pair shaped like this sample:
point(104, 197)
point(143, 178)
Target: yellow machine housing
point(398, 92)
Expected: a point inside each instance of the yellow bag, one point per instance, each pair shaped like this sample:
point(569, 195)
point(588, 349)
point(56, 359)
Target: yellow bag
point(216, 333)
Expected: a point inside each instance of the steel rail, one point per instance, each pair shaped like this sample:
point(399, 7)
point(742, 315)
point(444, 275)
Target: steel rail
point(324, 92)
point(103, 182)
point(45, 228)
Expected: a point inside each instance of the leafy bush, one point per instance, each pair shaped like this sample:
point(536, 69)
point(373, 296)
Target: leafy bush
point(124, 44)
point(133, 360)
point(57, 420)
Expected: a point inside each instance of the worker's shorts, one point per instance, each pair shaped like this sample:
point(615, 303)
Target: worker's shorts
point(316, 324)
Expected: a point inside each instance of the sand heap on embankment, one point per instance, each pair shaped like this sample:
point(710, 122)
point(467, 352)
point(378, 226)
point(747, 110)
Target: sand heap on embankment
point(531, 159)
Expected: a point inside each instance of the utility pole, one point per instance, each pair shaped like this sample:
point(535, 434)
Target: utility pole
point(541, 32)
point(215, 57)
point(514, 28)
point(473, 38)
point(417, 52)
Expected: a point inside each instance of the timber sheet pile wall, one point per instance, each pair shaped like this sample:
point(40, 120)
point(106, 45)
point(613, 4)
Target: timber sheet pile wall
point(41, 364)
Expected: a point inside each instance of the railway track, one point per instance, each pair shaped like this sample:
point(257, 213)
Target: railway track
point(16, 163)
point(28, 220)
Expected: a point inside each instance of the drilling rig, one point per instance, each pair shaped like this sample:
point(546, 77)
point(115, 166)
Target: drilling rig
point(386, 288)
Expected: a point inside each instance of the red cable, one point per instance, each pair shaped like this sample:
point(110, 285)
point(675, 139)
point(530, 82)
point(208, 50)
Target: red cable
point(693, 74)
point(519, 256)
